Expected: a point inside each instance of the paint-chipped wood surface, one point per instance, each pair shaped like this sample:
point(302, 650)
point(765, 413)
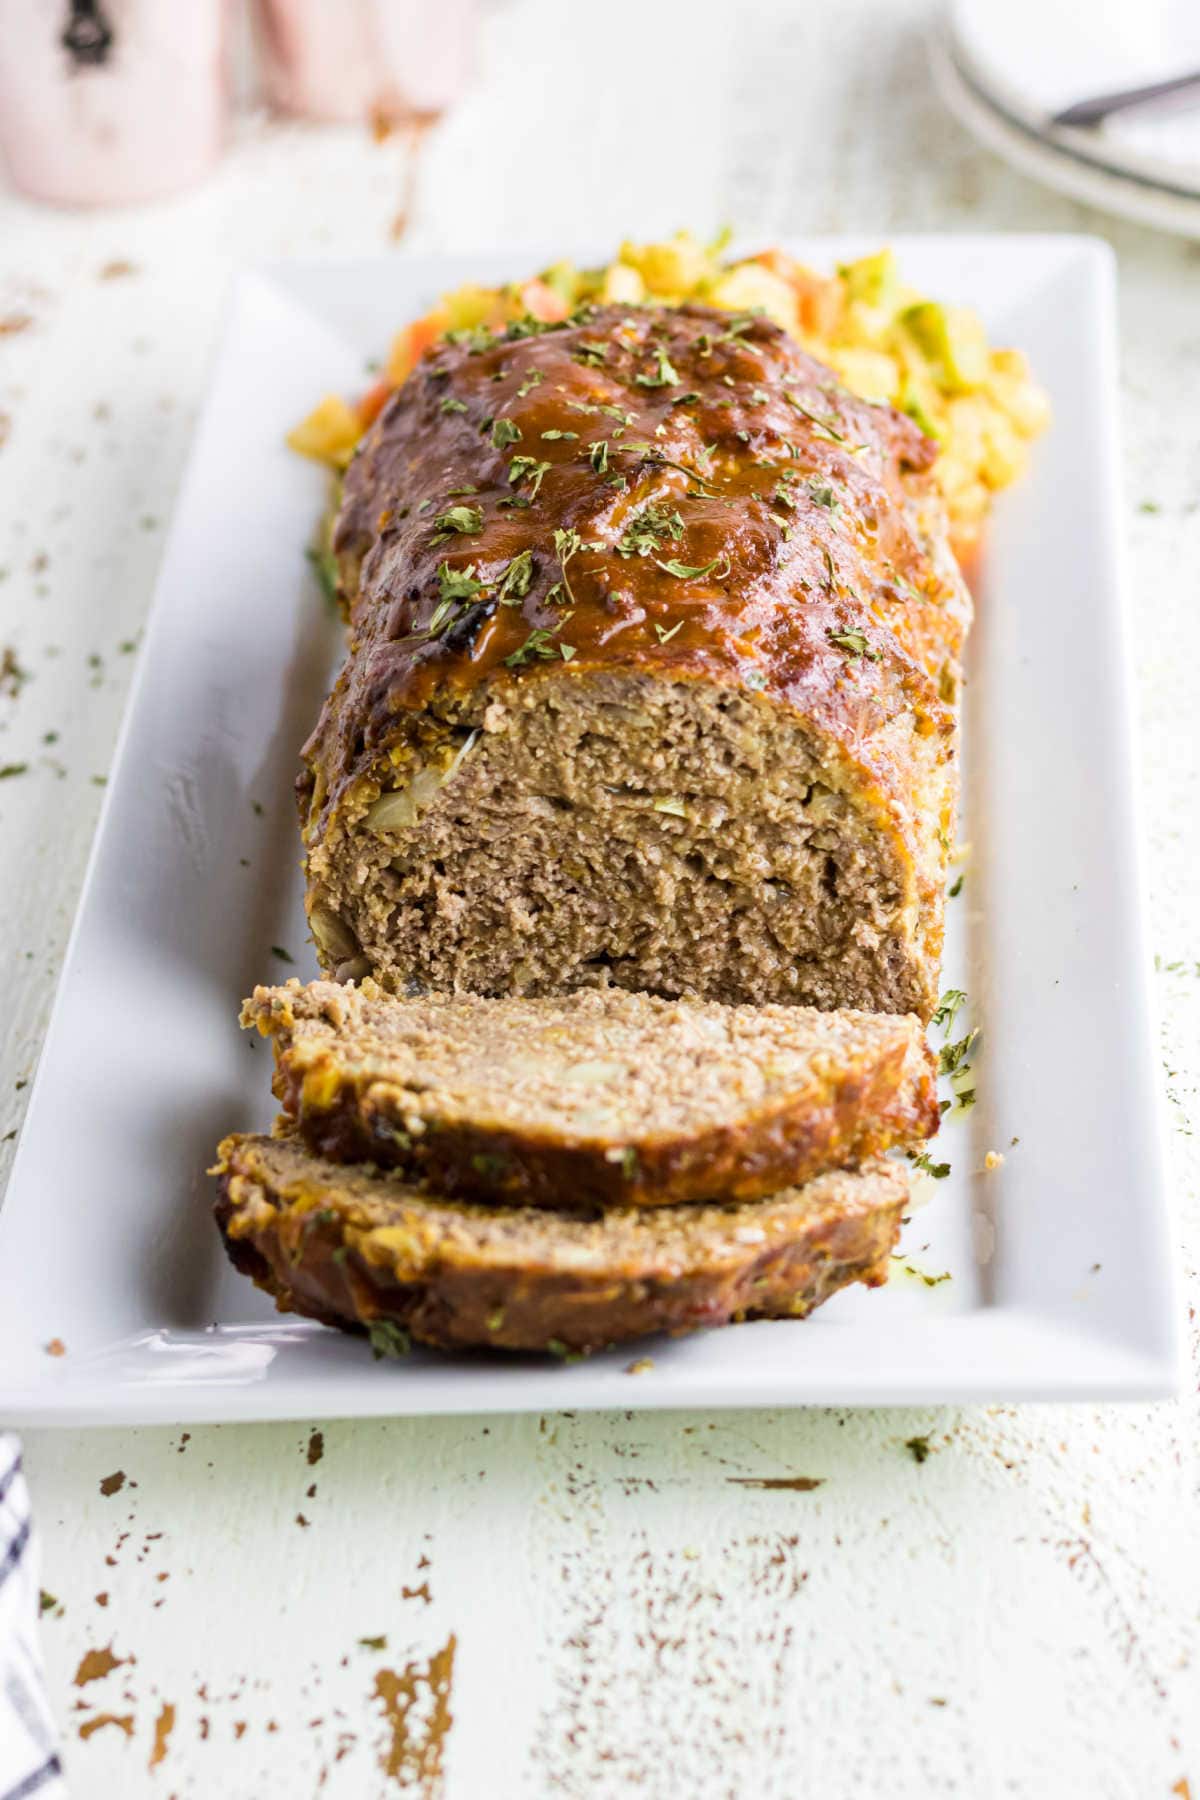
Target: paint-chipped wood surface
point(985, 1603)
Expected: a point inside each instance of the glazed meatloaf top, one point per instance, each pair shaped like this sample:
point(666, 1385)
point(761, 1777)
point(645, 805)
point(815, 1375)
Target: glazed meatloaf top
point(594, 1097)
point(674, 491)
point(353, 1246)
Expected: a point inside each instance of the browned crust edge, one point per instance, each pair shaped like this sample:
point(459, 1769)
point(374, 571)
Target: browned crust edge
point(852, 1115)
point(304, 1262)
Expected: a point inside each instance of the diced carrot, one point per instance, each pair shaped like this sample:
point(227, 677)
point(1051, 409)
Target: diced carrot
point(543, 303)
point(818, 297)
point(411, 343)
point(374, 401)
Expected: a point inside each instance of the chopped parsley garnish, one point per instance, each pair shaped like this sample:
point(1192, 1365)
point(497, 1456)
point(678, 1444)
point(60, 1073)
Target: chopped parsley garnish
point(460, 519)
point(665, 636)
point(952, 1057)
point(690, 572)
point(702, 490)
point(948, 1007)
point(388, 1338)
point(527, 468)
point(475, 337)
point(532, 380)
point(649, 527)
point(9, 769)
point(504, 432)
point(664, 374)
point(541, 643)
point(854, 643)
point(458, 584)
point(566, 545)
point(516, 579)
point(823, 427)
point(955, 888)
point(554, 435)
point(451, 405)
point(283, 955)
point(594, 354)
point(938, 1171)
point(822, 495)
point(598, 456)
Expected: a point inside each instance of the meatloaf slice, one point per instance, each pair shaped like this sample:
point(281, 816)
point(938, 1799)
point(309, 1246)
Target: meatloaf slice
point(354, 1246)
point(593, 1098)
point(654, 649)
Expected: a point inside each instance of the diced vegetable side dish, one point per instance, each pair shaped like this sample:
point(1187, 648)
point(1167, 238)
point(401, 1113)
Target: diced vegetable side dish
point(884, 339)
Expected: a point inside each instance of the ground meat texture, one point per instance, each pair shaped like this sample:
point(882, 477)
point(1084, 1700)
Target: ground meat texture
point(358, 1248)
point(593, 1098)
point(655, 639)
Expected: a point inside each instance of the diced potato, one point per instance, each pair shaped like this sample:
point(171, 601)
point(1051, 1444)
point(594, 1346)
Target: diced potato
point(468, 306)
point(622, 285)
point(921, 401)
point(871, 374)
point(1016, 393)
point(749, 287)
point(873, 280)
point(675, 268)
point(330, 431)
point(953, 342)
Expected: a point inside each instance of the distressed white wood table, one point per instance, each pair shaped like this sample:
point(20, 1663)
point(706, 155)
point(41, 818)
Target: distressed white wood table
point(996, 1602)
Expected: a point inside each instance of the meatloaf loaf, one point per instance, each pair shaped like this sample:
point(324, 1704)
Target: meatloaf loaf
point(654, 646)
point(595, 1098)
point(353, 1246)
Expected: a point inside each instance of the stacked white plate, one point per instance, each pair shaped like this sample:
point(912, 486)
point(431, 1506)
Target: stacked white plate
point(1006, 71)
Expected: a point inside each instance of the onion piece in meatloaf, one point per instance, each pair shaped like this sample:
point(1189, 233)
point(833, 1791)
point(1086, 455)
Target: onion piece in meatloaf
point(654, 646)
point(352, 1246)
point(594, 1098)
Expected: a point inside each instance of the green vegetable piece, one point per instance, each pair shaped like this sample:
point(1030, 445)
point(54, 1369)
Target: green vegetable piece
point(953, 343)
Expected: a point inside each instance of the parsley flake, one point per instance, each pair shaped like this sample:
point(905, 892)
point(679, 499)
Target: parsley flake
point(388, 1339)
point(948, 1006)
point(664, 374)
point(527, 468)
point(504, 432)
point(854, 643)
point(458, 584)
point(649, 527)
point(692, 572)
point(460, 519)
point(515, 582)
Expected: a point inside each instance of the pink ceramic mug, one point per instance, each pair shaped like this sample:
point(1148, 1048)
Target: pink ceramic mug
point(386, 61)
point(103, 101)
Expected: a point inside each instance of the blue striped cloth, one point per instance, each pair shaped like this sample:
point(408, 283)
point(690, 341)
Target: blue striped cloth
point(29, 1760)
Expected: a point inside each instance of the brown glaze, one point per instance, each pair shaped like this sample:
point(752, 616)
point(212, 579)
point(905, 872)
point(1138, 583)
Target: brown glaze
point(814, 508)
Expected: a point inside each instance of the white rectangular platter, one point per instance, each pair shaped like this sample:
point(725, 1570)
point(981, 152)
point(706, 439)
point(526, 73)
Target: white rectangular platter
point(1059, 1262)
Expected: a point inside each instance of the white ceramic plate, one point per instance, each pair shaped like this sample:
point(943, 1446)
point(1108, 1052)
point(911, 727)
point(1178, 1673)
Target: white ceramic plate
point(1061, 1277)
point(1067, 161)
